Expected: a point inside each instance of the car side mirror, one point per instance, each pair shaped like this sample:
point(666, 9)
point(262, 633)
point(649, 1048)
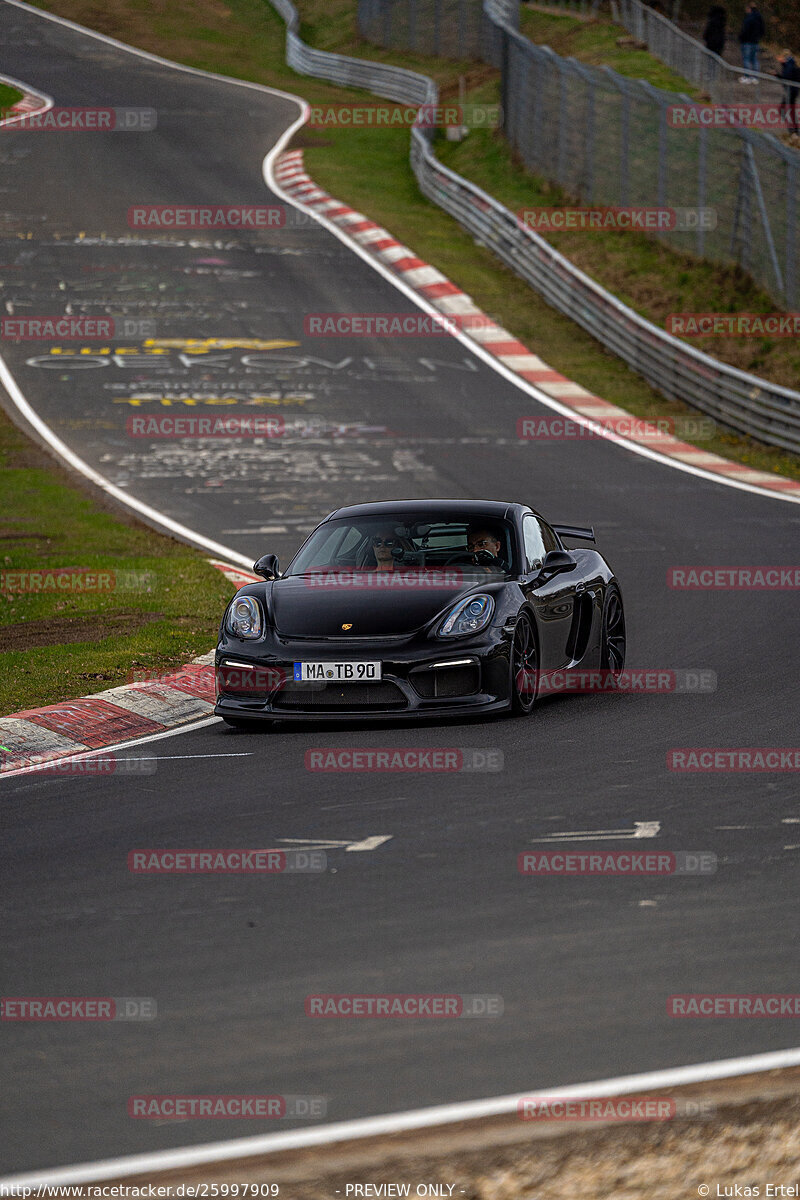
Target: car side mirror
point(267, 567)
point(557, 561)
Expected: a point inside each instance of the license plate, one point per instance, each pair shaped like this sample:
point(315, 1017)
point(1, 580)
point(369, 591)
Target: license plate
point(337, 672)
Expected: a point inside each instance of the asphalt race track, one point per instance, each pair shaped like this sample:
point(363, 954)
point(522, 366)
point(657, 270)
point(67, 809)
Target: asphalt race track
point(584, 966)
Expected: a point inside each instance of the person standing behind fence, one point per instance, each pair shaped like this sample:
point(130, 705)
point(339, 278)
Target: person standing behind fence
point(714, 32)
point(751, 33)
point(789, 71)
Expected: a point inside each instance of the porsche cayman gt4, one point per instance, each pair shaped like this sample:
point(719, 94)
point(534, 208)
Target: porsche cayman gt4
point(418, 608)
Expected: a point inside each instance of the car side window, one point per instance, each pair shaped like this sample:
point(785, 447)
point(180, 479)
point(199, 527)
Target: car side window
point(534, 542)
point(548, 537)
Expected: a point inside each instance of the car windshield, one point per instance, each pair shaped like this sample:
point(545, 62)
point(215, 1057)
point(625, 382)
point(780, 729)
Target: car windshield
point(399, 541)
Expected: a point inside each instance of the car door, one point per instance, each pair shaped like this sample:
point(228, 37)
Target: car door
point(552, 600)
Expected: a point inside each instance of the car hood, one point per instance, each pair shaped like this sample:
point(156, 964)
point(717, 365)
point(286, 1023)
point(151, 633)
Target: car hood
point(313, 606)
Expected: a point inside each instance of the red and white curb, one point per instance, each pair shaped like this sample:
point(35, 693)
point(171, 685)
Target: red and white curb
point(236, 574)
point(513, 354)
point(35, 736)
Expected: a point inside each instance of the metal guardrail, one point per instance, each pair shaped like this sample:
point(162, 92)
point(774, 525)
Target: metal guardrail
point(736, 399)
point(393, 83)
point(691, 59)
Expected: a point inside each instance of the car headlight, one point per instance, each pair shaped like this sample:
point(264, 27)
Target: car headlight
point(468, 616)
point(244, 618)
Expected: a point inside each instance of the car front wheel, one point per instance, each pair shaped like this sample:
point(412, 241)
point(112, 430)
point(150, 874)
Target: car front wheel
point(612, 638)
point(524, 664)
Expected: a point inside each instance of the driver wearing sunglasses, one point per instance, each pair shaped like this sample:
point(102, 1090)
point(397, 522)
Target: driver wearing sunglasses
point(382, 546)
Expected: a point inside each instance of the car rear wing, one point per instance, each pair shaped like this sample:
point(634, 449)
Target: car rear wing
point(586, 532)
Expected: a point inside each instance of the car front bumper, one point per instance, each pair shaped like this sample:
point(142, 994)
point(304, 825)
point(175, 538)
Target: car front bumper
point(419, 679)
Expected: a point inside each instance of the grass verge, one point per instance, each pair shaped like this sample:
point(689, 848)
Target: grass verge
point(57, 644)
point(594, 42)
point(8, 97)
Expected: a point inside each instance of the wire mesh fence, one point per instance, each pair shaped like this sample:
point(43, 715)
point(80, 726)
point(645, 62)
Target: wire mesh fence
point(445, 28)
point(610, 140)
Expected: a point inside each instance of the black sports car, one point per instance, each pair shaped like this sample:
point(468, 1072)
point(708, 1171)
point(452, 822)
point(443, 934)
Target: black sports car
point(412, 608)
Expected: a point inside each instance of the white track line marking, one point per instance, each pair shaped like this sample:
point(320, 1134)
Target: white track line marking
point(368, 843)
point(48, 766)
point(420, 1118)
point(641, 829)
point(15, 392)
point(150, 737)
point(182, 532)
point(156, 58)
point(176, 757)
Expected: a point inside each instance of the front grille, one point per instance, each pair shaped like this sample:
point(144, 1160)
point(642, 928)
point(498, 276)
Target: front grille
point(349, 638)
point(445, 683)
point(332, 696)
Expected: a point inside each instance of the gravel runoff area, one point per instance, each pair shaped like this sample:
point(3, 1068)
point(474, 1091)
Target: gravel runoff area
point(743, 1131)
